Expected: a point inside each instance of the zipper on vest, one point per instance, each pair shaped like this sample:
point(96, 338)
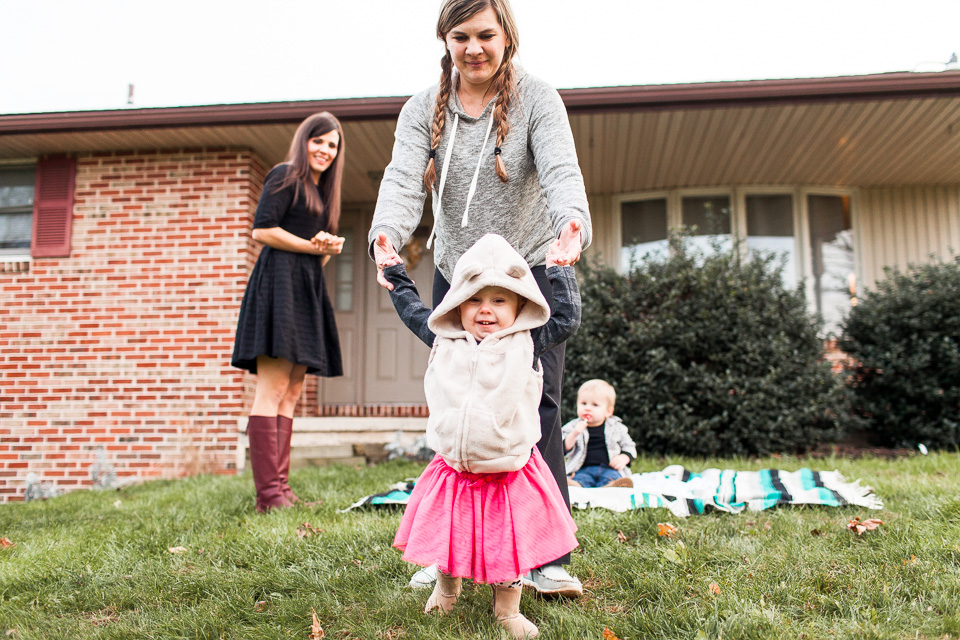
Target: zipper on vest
point(467, 404)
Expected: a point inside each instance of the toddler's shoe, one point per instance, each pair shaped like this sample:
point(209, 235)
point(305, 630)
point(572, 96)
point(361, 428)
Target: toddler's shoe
point(553, 580)
point(424, 578)
point(621, 482)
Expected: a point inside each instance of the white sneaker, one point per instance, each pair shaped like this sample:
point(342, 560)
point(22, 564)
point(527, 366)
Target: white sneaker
point(424, 578)
point(553, 580)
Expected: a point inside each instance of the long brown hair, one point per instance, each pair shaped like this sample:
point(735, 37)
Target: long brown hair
point(452, 13)
point(299, 173)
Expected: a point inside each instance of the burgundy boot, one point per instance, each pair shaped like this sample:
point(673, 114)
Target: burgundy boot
point(262, 434)
point(284, 434)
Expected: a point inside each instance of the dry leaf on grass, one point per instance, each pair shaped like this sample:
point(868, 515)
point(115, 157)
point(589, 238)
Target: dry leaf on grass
point(305, 530)
point(714, 588)
point(6, 543)
point(666, 529)
point(621, 537)
point(261, 606)
point(609, 635)
point(316, 631)
point(860, 526)
point(12, 633)
point(177, 549)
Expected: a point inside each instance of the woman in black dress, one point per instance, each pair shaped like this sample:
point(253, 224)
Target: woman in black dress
point(286, 327)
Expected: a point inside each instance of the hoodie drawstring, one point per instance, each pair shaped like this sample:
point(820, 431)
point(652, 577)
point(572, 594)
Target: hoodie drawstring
point(443, 175)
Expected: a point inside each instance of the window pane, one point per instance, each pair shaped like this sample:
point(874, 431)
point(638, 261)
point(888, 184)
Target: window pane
point(16, 187)
point(770, 230)
point(343, 296)
point(831, 245)
point(15, 230)
point(711, 217)
point(643, 229)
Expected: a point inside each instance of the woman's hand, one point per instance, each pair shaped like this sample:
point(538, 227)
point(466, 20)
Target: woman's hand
point(566, 249)
point(619, 461)
point(327, 243)
point(386, 256)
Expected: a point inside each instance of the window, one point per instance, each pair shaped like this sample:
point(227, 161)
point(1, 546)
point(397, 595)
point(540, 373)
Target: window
point(16, 210)
point(709, 217)
point(343, 284)
point(763, 219)
point(770, 230)
point(643, 229)
point(831, 248)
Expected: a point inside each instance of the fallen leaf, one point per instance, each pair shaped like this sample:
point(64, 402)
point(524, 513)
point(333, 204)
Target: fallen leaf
point(12, 633)
point(766, 525)
point(305, 530)
point(816, 532)
point(260, 606)
point(714, 588)
point(316, 631)
point(621, 537)
point(666, 529)
point(6, 543)
point(609, 635)
point(860, 526)
point(177, 549)
point(912, 560)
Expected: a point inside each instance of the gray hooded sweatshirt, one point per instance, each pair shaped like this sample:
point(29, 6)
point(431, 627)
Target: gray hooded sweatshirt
point(484, 396)
point(544, 193)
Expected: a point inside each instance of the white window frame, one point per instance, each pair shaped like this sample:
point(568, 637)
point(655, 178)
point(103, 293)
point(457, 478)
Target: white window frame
point(738, 219)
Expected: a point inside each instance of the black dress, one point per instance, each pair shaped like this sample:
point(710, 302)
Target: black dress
point(286, 312)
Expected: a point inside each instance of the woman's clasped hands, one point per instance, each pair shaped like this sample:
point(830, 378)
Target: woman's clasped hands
point(327, 243)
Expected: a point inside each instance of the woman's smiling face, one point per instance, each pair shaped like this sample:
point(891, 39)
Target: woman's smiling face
point(477, 47)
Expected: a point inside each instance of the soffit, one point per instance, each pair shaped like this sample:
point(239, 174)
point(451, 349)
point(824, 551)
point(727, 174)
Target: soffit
point(899, 129)
point(845, 144)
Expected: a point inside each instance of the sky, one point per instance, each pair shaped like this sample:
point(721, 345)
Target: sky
point(59, 55)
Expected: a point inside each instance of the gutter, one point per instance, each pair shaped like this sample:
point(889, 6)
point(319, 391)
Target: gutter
point(888, 86)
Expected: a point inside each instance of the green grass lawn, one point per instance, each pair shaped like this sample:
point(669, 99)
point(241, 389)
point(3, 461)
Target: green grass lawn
point(97, 564)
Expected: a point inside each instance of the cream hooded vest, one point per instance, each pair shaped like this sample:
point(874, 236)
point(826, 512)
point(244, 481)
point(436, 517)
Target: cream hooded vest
point(484, 397)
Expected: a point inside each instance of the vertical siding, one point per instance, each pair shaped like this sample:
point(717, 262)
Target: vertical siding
point(903, 225)
point(606, 236)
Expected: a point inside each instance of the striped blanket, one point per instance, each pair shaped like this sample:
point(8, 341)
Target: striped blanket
point(684, 492)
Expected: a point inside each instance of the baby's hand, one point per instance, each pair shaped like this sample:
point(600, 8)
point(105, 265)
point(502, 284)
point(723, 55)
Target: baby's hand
point(619, 461)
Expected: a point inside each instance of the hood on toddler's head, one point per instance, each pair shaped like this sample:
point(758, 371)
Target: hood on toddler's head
point(491, 262)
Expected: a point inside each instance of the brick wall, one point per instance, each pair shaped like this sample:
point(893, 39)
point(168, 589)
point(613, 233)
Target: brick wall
point(126, 344)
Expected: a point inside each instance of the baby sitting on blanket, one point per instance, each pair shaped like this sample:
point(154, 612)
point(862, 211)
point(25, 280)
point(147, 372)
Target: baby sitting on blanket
point(598, 449)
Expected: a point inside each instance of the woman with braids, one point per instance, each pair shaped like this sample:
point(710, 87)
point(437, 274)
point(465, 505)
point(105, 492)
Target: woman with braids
point(493, 147)
point(286, 327)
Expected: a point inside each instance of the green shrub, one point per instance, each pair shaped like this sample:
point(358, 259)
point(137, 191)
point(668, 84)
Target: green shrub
point(904, 339)
point(710, 355)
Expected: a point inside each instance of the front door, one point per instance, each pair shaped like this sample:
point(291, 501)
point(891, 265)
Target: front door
point(384, 362)
point(396, 359)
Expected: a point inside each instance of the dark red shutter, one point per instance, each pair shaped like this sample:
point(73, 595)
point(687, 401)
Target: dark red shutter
point(53, 207)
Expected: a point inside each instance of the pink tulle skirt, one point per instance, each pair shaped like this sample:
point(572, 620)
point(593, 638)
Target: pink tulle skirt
point(491, 527)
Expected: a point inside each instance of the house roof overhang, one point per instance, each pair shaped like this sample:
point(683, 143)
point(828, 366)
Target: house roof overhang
point(895, 128)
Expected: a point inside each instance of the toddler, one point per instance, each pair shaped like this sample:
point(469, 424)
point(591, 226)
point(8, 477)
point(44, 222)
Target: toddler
point(487, 507)
point(598, 448)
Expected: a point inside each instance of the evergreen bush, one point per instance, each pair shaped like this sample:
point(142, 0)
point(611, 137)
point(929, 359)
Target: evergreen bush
point(709, 354)
point(904, 342)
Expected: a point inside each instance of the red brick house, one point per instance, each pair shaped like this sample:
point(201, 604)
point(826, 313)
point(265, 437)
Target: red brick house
point(125, 248)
